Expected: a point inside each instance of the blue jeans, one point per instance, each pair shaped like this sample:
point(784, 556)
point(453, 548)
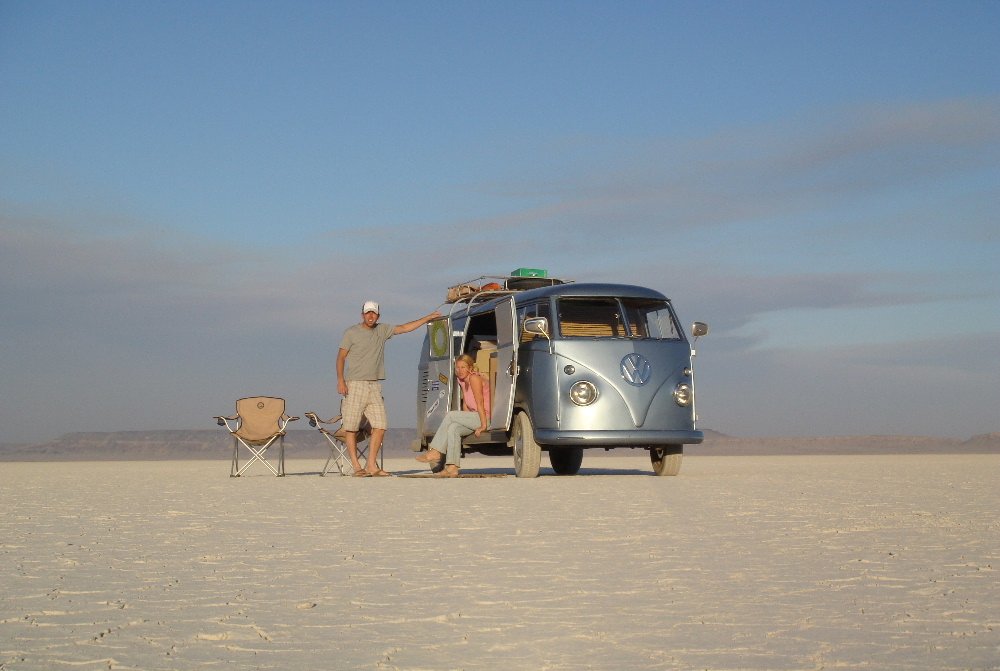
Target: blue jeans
point(457, 424)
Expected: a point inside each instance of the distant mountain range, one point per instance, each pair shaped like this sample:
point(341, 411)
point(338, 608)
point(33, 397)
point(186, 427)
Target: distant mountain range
point(216, 444)
point(717, 443)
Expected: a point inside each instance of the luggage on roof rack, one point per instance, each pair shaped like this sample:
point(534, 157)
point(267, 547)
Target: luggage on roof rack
point(521, 279)
point(523, 283)
point(529, 272)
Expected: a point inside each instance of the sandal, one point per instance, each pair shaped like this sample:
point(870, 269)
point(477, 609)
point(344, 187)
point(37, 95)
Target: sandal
point(362, 473)
point(426, 457)
point(378, 474)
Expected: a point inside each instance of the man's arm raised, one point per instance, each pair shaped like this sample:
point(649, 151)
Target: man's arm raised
point(416, 323)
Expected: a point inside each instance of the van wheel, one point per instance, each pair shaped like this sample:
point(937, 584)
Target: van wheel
point(527, 453)
point(566, 461)
point(666, 459)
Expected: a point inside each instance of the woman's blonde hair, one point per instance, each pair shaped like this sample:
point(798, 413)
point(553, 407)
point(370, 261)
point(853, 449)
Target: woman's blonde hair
point(467, 358)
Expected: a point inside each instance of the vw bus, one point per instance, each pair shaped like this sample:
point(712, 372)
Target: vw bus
point(570, 365)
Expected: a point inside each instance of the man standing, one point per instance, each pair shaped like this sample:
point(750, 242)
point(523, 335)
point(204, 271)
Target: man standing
point(362, 349)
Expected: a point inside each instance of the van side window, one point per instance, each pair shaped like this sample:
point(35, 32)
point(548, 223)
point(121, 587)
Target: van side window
point(543, 311)
point(590, 318)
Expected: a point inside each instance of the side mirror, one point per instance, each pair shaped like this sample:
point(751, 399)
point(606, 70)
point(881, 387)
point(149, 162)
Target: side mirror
point(699, 329)
point(537, 325)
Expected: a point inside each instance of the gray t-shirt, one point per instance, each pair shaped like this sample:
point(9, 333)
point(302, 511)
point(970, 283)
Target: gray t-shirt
point(365, 348)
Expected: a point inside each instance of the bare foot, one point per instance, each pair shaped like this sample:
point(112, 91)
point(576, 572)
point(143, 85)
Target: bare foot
point(450, 471)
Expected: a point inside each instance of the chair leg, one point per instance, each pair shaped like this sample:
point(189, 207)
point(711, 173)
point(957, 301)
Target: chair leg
point(258, 455)
point(338, 455)
point(281, 457)
point(234, 469)
point(342, 460)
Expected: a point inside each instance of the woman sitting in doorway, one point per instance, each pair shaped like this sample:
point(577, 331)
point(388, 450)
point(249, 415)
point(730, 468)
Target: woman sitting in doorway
point(457, 424)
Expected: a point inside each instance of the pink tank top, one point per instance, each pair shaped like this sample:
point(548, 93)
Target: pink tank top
point(470, 398)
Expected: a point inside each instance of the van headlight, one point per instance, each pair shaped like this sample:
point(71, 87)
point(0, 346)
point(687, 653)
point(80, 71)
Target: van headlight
point(683, 394)
point(583, 393)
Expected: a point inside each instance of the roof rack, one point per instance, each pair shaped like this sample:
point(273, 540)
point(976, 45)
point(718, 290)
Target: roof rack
point(486, 287)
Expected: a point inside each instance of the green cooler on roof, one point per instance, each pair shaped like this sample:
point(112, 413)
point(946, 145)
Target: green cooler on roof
point(529, 272)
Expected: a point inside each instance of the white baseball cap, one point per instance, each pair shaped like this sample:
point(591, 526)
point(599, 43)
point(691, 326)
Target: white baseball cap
point(370, 306)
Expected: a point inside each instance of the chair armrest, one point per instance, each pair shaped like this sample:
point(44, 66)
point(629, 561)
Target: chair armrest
point(222, 420)
point(315, 420)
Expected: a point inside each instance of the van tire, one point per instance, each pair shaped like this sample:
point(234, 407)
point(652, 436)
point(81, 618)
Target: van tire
point(666, 459)
point(566, 461)
point(527, 453)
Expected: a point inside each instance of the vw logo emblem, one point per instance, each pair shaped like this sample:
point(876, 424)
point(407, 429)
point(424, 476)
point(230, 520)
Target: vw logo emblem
point(636, 369)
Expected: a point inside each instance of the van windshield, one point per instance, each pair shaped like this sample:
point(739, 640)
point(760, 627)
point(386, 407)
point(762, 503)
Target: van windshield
point(639, 318)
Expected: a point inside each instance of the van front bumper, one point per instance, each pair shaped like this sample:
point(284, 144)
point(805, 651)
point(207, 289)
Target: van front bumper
point(564, 438)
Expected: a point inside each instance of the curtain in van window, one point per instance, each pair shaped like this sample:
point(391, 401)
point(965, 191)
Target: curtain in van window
point(616, 318)
point(590, 318)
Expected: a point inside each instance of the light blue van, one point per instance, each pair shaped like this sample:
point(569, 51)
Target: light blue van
point(571, 366)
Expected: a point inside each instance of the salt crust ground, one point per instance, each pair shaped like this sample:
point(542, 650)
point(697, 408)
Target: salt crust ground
point(835, 562)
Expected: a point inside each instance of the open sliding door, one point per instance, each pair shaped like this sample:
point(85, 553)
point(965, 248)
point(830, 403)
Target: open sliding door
point(507, 342)
point(440, 370)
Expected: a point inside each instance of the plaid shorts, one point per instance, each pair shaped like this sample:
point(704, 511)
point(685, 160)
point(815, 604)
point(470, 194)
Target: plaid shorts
point(364, 397)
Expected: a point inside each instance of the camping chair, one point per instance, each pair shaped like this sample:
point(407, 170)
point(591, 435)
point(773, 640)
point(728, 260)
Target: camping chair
point(259, 422)
point(338, 448)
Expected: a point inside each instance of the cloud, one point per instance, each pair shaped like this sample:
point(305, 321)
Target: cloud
point(826, 186)
point(638, 186)
point(742, 299)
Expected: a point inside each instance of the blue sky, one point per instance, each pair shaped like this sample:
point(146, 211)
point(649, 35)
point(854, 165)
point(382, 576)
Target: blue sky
point(196, 198)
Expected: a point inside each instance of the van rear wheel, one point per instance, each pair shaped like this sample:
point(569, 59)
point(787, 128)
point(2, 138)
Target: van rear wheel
point(527, 453)
point(566, 461)
point(666, 459)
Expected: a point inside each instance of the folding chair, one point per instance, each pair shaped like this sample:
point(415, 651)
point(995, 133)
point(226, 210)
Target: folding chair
point(259, 422)
point(338, 448)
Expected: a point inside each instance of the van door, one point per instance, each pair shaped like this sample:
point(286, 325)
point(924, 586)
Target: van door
point(438, 392)
point(507, 341)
